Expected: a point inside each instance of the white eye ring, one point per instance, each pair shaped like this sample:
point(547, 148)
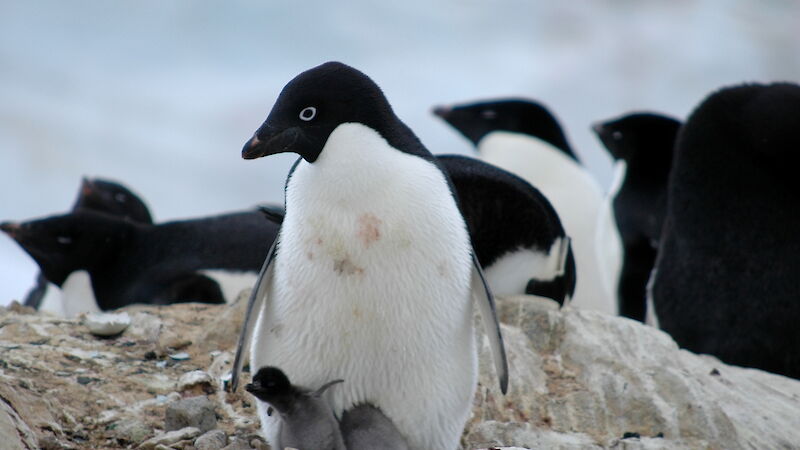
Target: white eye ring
point(308, 113)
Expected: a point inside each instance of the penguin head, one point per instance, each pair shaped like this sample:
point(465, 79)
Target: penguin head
point(112, 198)
point(271, 385)
point(751, 128)
point(63, 244)
point(317, 101)
point(476, 120)
point(628, 136)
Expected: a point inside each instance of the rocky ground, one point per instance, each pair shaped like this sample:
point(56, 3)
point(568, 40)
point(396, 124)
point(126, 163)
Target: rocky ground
point(578, 380)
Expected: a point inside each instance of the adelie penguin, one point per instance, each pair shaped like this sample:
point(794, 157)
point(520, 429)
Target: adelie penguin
point(208, 260)
point(104, 196)
point(372, 276)
point(523, 137)
point(642, 145)
point(726, 279)
point(516, 233)
point(307, 421)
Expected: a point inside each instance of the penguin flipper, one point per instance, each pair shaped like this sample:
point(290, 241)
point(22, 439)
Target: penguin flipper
point(254, 305)
point(483, 296)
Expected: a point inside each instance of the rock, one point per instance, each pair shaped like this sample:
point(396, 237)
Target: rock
point(576, 379)
point(195, 378)
point(107, 324)
point(132, 430)
point(170, 438)
point(212, 440)
point(237, 444)
point(198, 412)
point(582, 372)
point(14, 432)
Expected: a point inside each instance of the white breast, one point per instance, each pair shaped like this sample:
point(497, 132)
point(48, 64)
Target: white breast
point(371, 285)
point(77, 295)
point(577, 199)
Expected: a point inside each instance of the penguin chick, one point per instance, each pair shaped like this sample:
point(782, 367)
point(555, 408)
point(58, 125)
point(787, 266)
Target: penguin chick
point(307, 421)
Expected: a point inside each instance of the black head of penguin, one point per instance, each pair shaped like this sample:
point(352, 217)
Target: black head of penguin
point(112, 198)
point(641, 135)
point(63, 244)
point(271, 385)
point(317, 101)
point(476, 120)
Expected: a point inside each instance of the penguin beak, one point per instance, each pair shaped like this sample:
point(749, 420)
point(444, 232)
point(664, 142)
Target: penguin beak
point(11, 229)
point(599, 129)
point(86, 187)
point(442, 111)
point(253, 387)
point(266, 142)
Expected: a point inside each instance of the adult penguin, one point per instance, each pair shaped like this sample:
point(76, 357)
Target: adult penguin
point(372, 274)
point(726, 279)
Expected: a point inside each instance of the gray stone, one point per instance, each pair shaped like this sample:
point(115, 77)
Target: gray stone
point(196, 412)
point(576, 372)
point(132, 430)
point(170, 438)
point(212, 440)
point(107, 324)
point(238, 444)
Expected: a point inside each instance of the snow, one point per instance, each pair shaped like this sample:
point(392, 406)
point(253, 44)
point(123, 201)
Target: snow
point(162, 95)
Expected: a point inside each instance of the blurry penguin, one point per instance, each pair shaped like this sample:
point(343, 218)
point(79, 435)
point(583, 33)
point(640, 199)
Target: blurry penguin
point(523, 137)
point(642, 144)
point(373, 274)
point(98, 195)
point(516, 233)
point(209, 259)
point(726, 279)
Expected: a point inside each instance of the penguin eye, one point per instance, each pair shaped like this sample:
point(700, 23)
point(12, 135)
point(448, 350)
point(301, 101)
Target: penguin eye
point(488, 114)
point(308, 113)
point(617, 135)
point(120, 197)
point(64, 240)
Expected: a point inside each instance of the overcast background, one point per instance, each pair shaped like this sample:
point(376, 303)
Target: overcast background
point(162, 95)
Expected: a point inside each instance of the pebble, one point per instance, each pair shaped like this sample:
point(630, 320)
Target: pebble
point(194, 378)
point(170, 438)
point(212, 440)
point(107, 324)
point(191, 412)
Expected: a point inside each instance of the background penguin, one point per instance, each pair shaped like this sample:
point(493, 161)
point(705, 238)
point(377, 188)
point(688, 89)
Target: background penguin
point(642, 145)
point(307, 421)
point(516, 233)
point(98, 195)
point(523, 137)
point(373, 270)
point(726, 279)
point(208, 259)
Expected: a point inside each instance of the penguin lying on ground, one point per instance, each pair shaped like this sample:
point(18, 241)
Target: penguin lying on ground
point(307, 421)
point(206, 260)
point(98, 195)
point(523, 137)
point(726, 279)
point(642, 144)
point(372, 274)
point(516, 233)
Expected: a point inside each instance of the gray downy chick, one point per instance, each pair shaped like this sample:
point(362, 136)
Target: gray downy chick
point(308, 422)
